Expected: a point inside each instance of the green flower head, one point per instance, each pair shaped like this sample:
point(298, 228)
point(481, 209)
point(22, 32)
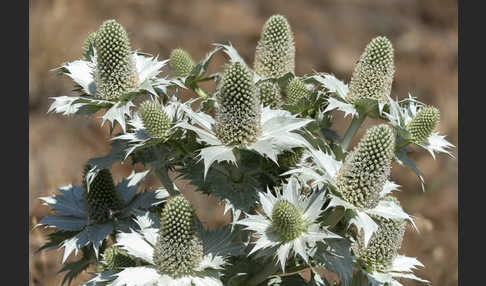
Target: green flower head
point(423, 124)
point(102, 198)
point(238, 113)
point(383, 245)
point(287, 220)
point(181, 62)
point(115, 72)
point(179, 249)
point(87, 46)
point(269, 94)
point(116, 259)
point(275, 51)
point(367, 167)
point(291, 158)
point(373, 76)
point(296, 90)
point(155, 120)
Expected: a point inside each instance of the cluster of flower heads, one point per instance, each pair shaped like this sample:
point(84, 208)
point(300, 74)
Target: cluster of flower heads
point(298, 221)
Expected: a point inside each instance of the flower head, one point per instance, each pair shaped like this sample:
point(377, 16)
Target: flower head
point(288, 222)
point(275, 52)
point(373, 76)
point(238, 113)
point(367, 167)
point(115, 72)
point(181, 62)
point(116, 259)
point(296, 90)
point(291, 158)
point(154, 119)
point(269, 94)
point(102, 196)
point(423, 124)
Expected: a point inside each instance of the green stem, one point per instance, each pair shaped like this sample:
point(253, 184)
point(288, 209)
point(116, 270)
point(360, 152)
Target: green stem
point(163, 175)
point(402, 144)
point(353, 128)
point(200, 92)
point(268, 270)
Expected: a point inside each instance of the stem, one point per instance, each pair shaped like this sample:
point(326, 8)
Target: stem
point(200, 92)
point(163, 175)
point(268, 270)
point(402, 144)
point(353, 128)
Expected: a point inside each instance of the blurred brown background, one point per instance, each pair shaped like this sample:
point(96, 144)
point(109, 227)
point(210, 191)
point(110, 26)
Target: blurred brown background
point(329, 36)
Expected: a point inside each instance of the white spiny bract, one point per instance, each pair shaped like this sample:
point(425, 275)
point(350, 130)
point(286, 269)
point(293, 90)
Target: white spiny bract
point(269, 94)
point(155, 120)
point(373, 75)
point(262, 129)
point(115, 72)
point(179, 249)
point(287, 224)
point(181, 62)
point(238, 113)
point(275, 52)
point(423, 124)
point(367, 167)
point(296, 90)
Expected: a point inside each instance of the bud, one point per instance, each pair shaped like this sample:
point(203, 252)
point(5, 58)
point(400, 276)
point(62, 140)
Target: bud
point(383, 245)
point(275, 51)
point(287, 220)
point(373, 76)
point(178, 250)
point(103, 198)
point(116, 259)
point(238, 113)
point(423, 124)
point(154, 119)
point(296, 90)
point(269, 94)
point(366, 168)
point(289, 159)
point(115, 66)
point(87, 46)
point(181, 62)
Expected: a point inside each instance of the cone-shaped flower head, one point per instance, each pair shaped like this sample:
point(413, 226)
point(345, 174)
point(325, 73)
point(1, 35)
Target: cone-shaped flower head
point(238, 114)
point(365, 170)
point(154, 119)
point(275, 51)
point(269, 94)
point(178, 250)
point(290, 158)
point(383, 245)
point(287, 220)
point(103, 198)
point(115, 67)
point(423, 124)
point(373, 76)
point(88, 43)
point(181, 62)
point(116, 259)
point(296, 90)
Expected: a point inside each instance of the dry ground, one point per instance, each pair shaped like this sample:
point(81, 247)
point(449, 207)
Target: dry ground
point(329, 35)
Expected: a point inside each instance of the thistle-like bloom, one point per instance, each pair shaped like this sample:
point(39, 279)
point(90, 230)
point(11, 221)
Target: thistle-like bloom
point(291, 158)
point(102, 196)
point(116, 259)
point(155, 120)
point(176, 250)
point(269, 94)
point(181, 62)
point(90, 216)
point(288, 223)
point(238, 113)
point(88, 50)
point(367, 167)
point(373, 76)
point(115, 67)
point(275, 51)
point(296, 90)
point(423, 124)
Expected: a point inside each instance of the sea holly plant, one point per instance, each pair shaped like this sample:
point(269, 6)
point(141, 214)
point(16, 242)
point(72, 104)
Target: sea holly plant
point(262, 142)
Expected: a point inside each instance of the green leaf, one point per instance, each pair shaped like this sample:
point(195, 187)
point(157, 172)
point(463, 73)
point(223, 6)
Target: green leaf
point(402, 158)
point(200, 69)
point(336, 257)
point(73, 269)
